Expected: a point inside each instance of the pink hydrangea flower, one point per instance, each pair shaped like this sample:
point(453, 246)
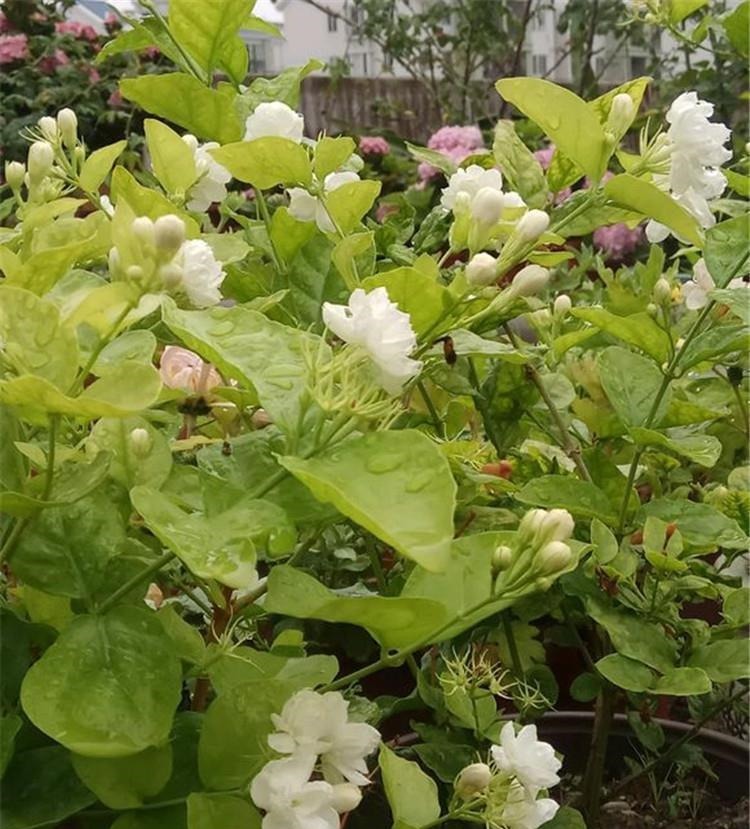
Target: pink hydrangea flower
point(374, 145)
point(112, 22)
point(13, 48)
point(617, 241)
point(454, 142)
point(51, 63)
point(4, 24)
point(94, 76)
point(184, 370)
point(544, 157)
point(82, 31)
point(151, 52)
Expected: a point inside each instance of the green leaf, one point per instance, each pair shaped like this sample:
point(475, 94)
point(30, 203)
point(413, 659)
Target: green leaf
point(171, 158)
point(34, 340)
point(395, 622)
point(170, 817)
point(467, 582)
point(285, 87)
point(703, 527)
point(144, 201)
point(112, 435)
point(521, 171)
point(416, 294)
point(207, 113)
point(638, 330)
point(247, 346)
point(626, 673)
point(564, 117)
point(66, 550)
point(724, 660)
point(647, 199)
point(331, 153)
point(289, 235)
point(10, 725)
point(397, 485)
point(97, 166)
point(187, 641)
point(702, 449)
point(210, 811)
point(266, 162)
point(715, 343)
point(207, 30)
point(124, 782)
point(737, 27)
point(736, 609)
point(581, 498)
point(347, 205)
point(683, 682)
point(412, 795)
point(131, 388)
point(631, 384)
point(585, 687)
point(603, 541)
point(241, 716)
point(736, 299)
point(108, 687)
point(219, 547)
point(565, 818)
point(434, 158)
point(138, 345)
point(249, 665)
point(40, 788)
point(349, 254)
point(680, 9)
point(634, 637)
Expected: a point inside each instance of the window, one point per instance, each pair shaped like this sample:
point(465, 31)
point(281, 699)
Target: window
point(258, 63)
point(539, 65)
point(333, 22)
point(537, 20)
point(637, 66)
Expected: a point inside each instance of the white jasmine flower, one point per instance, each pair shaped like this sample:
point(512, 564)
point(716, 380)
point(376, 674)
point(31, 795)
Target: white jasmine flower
point(308, 208)
point(211, 184)
point(531, 761)
point(375, 323)
point(317, 724)
point(107, 207)
point(470, 181)
point(283, 789)
point(696, 149)
point(184, 370)
point(200, 273)
point(274, 119)
point(520, 812)
point(695, 291)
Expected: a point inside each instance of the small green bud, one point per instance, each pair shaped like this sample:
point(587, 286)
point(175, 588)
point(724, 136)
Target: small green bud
point(14, 174)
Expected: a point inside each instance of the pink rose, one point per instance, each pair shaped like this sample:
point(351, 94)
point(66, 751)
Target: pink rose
point(13, 48)
point(184, 370)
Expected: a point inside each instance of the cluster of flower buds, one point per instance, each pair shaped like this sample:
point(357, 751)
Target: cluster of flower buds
point(155, 256)
point(539, 551)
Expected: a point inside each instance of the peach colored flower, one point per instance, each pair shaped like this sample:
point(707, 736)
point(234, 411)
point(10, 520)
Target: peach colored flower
point(184, 370)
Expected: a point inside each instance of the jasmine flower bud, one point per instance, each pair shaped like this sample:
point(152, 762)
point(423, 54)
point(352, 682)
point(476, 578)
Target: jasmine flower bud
point(143, 228)
point(501, 558)
point(662, 290)
point(554, 557)
point(487, 206)
point(140, 442)
point(530, 280)
point(481, 270)
point(48, 127)
point(472, 779)
point(41, 158)
point(134, 273)
point(346, 797)
point(67, 123)
point(14, 174)
point(169, 234)
point(562, 306)
point(171, 275)
point(532, 225)
point(621, 114)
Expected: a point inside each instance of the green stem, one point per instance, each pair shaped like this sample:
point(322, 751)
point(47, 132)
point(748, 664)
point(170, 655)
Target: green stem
point(669, 375)
point(13, 536)
point(439, 427)
point(594, 775)
point(50, 471)
point(190, 64)
point(132, 583)
point(515, 657)
point(266, 216)
point(399, 655)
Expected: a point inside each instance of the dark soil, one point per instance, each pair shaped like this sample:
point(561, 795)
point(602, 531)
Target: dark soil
point(711, 813)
